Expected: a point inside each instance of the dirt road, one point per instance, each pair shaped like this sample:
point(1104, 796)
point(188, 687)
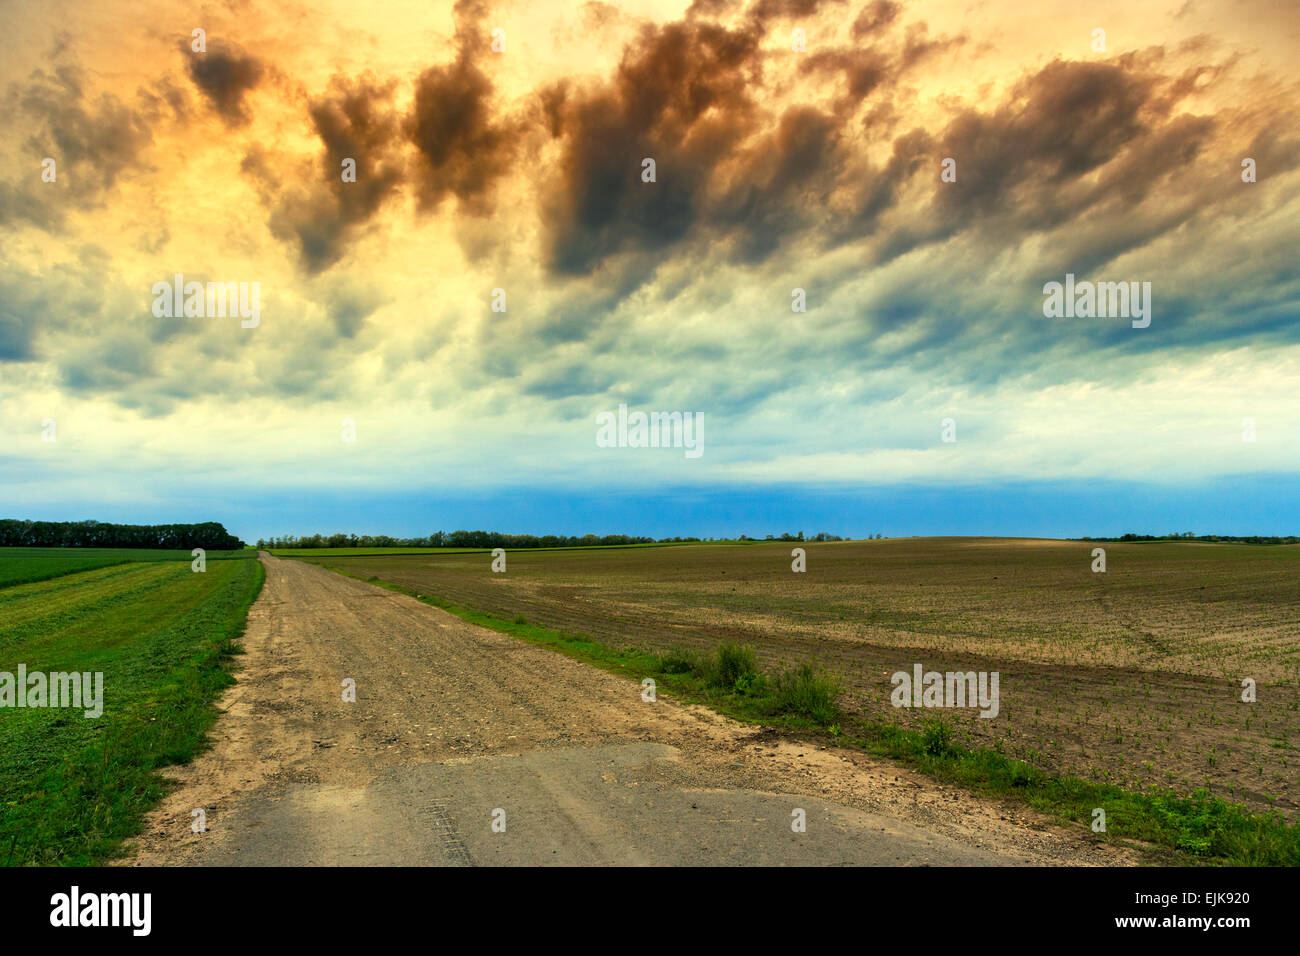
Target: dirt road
point(468, 747)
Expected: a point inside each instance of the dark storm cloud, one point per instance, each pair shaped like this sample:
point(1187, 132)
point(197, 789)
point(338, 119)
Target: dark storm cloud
point(690, 96)
point(1061, 123)
point(99, 140)
point(318, 211)
point(790, 177)
point(463, 149)
point(92, 142)
point(863, 70)
point(653, 108)
point(1071, 140)
point(223, 75)
point(460, 149)
point(874, 17)
point(551, 100)
point(1098, 159)
point(913, 152)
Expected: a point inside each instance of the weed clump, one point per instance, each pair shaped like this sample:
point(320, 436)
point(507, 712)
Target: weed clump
point(730, 663)
point(677, 661)
point(807, 692)
point(936, 738)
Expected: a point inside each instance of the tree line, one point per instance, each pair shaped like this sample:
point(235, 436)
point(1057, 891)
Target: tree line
point(209, 535)
point(493, 539)
point(1189, 536)
point(458, 539)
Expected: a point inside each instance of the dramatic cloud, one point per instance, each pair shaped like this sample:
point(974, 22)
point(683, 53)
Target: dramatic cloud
point(320, 207)
point(93, 138)
point(680, 98)
point(224, 74)
point(463, 147)
point(502, 267)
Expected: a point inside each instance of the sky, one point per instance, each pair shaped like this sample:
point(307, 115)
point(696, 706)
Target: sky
point(436, 341)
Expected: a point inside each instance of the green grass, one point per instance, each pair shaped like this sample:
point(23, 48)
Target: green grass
point(1173, 829)
point(25, 565)
point(72, 788)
